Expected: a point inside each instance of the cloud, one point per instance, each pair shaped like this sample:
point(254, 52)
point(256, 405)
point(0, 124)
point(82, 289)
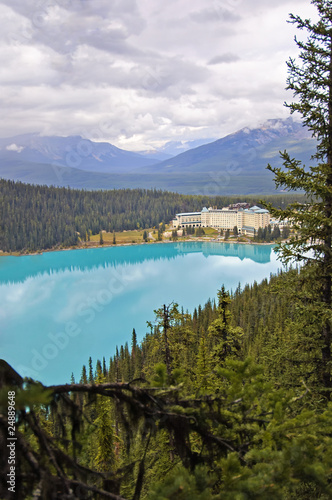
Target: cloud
point(14, 147)
point(228, 57)
point(139, 74)
point(215, 14)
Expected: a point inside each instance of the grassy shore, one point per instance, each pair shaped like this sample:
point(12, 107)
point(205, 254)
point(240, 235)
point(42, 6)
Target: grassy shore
point(135, 237)
point(123, 237)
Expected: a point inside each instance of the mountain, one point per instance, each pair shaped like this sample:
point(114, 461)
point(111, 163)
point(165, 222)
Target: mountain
point(235, 164)
point(248, 150)
point(71, 152)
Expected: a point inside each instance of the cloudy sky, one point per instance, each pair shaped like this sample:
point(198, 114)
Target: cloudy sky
point(139, 73)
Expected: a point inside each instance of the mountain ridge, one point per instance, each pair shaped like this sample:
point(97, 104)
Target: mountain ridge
point(234, 164)
point(72, 152)
point(244, 145)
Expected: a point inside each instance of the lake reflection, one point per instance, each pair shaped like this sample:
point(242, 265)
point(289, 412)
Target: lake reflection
point(59, 308)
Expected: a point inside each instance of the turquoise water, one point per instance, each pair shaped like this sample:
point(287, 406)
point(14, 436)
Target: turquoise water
point(59, 308)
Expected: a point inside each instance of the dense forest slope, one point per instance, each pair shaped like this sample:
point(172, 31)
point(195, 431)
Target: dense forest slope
point(40, 217)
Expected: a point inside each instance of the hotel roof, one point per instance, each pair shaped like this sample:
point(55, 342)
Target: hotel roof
point(190, 213)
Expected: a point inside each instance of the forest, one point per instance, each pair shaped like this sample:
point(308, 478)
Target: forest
point(229, 402)
point(40, 217)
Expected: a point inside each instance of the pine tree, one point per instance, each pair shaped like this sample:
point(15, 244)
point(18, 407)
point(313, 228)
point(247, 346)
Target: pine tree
point(84, 378)
point(104, 367)
point(133, 343)
point(225, 338)
point(311, 83)
point(105, 456)
point(91, 377)
point(166, 318)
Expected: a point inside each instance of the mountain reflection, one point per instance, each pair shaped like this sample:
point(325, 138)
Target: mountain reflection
point(18, 269)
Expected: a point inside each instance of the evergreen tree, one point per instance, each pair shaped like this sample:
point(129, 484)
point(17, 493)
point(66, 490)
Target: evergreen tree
point(91, 377)
point(174, 235)
point(105, 457)
point(133, 343)
point(166, 318)
point(275, 235)
point(84, 378)
point(311, 83)
point(104, 367)
point(226, 338)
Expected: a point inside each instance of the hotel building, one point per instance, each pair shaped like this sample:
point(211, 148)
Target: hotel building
point(247, 220)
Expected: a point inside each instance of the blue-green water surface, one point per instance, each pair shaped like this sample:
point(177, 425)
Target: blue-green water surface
point(59, 308)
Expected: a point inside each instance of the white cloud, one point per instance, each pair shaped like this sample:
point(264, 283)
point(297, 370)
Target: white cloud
point(14, 147)
point(143, 73)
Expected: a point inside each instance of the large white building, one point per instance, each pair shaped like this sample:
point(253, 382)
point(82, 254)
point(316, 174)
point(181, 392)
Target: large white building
point(247, 220)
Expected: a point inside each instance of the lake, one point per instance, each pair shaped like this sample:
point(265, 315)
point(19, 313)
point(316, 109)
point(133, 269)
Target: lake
point(59, 308)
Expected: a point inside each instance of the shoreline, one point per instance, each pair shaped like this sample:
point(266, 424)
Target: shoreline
point(87, 247)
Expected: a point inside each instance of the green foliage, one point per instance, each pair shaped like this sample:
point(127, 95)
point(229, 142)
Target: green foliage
point(160, 376)
point(199, 231)
point(226, 338)
point(105, 456)
point(181, 485)
point(281, 328)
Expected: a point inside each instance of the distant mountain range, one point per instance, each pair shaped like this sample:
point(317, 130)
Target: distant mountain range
point(72, 152)
point(235, 164)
